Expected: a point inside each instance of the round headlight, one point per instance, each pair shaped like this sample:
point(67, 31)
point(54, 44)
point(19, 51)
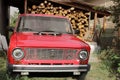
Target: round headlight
point(83, 55)
point(18, 54)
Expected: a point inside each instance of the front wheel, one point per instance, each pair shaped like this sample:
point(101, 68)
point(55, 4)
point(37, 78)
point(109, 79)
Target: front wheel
point(82, 76)
point(10, 73)
point(13, 75)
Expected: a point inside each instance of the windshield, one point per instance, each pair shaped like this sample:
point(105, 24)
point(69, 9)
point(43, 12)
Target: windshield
point(41, 23)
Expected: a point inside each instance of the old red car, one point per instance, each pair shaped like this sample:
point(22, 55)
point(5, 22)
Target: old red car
point(46, 44)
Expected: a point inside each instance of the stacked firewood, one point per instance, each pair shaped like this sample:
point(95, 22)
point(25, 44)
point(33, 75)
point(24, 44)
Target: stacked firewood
point(79, 20)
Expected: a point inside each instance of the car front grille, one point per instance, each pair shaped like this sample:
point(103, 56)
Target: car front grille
point(50, 54)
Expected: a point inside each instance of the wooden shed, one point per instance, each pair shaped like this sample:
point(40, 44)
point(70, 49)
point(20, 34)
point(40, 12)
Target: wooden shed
point(79, 6)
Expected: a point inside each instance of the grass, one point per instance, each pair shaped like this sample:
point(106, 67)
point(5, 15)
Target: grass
point(97, 72)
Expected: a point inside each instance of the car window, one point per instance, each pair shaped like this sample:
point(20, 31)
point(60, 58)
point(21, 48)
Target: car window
point(39, 23)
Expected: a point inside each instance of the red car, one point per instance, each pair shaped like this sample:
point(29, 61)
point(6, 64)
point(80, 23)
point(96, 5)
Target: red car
point(46, 44)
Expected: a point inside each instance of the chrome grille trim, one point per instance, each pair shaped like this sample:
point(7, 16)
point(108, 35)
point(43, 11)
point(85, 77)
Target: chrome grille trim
point(50, 54)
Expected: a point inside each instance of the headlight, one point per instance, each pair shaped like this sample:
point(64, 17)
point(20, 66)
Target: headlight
point(83, 55)
point(18, 54)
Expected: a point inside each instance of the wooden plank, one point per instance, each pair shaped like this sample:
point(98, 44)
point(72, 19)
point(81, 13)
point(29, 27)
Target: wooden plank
point(95, 22)
point(25, 6)
point(104, 23)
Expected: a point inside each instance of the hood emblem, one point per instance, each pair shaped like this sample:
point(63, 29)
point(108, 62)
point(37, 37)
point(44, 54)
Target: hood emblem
point(52, 53)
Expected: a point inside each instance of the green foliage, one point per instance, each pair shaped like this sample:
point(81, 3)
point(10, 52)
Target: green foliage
point(115, 10)
point(111, 59)
point(13, 19)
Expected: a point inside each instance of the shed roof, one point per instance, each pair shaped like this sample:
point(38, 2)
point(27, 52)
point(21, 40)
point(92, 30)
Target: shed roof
point(68, 3)
point(82, 5)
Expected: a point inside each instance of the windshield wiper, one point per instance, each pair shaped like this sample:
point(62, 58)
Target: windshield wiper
point(48, 32)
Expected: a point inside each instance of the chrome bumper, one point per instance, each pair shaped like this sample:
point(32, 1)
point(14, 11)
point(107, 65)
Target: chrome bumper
point(49, 68)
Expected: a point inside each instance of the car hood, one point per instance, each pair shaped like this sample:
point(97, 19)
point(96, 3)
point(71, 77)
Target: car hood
point(44, 41)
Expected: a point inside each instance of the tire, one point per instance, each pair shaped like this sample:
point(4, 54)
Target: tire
point(82, 76)
point(11, 74)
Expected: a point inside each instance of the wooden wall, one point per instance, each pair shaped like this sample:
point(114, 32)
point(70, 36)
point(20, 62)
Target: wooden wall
point(4, 17)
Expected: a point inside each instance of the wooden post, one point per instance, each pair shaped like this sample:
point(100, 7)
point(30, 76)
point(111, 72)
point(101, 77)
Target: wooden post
point(4, 18)
point(104, 23)
point(95, 22)
point(94, 28)
point(89, 20)
point(119, 38)
point(25, 6)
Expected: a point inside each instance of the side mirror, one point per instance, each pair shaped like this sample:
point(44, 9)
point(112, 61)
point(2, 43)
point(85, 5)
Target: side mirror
point(77, 31)
point(11, 29)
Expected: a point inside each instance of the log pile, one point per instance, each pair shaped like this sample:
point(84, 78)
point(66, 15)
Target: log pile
point(79, 20)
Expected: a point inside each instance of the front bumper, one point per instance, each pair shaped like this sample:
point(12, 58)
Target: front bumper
point(49, 68)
